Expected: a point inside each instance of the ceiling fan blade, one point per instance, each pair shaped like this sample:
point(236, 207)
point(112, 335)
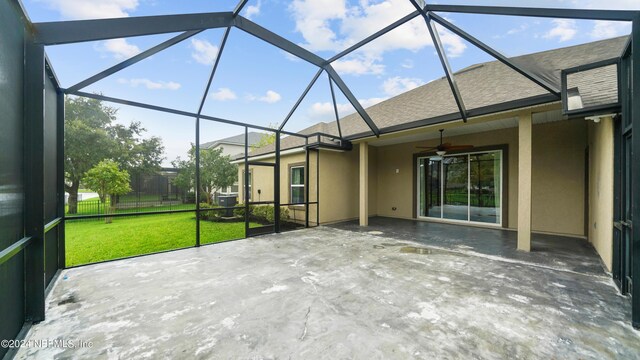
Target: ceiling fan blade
point(427, 147)
point(460, 147)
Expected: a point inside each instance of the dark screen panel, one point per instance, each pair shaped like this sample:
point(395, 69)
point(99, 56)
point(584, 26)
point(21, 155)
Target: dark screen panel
point(11, 171)
point(50, 153)
point(11, 126)
point(11, 298)
point(50, 254)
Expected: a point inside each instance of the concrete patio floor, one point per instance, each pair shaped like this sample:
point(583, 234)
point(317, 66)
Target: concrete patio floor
point(333, 293)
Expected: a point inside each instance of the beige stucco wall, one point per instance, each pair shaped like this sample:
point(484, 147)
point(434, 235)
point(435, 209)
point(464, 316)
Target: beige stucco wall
point(558, 178)
point(338, 185)
point(601, 153)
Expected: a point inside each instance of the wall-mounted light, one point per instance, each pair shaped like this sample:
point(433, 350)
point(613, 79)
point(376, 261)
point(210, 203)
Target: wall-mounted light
point(597, 118)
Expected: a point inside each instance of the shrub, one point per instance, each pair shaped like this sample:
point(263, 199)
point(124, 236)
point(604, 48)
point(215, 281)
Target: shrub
point(263, 214)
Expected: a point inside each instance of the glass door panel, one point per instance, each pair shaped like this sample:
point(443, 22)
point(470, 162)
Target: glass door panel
point(455, 174)
point(429, 182)
point(485, 187)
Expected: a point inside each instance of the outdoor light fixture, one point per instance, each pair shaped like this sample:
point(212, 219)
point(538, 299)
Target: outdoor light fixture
point(441, 153)
point(596, 118)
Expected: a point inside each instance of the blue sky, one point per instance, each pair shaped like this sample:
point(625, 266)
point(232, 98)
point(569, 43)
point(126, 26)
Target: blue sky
point(258, 84)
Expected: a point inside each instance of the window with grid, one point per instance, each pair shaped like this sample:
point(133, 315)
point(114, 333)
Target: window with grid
point(296, 183)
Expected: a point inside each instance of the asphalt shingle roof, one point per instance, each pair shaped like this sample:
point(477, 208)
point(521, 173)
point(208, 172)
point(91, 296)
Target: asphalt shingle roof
point(482, 85)
point(254, 138)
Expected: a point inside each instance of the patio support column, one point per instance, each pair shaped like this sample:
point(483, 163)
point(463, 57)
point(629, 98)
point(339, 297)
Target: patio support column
point(524, 181)
point(364, 184)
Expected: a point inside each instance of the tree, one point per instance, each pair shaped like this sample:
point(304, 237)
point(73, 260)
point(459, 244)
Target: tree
point(216, 172)
point(267, 138)
point(91, 136)
point(108, 181)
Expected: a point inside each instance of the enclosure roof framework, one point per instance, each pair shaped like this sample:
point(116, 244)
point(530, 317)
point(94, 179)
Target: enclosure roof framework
point(66, 32)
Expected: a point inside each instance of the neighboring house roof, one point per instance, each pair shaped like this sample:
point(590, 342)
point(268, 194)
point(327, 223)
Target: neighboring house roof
point(254, 138)
point(480, 85)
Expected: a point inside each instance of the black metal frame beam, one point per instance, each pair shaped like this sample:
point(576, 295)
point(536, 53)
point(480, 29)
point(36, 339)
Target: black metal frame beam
point(177, 112)
point(34, 182)
point(584, 14)
point(245, 182)
point(335, 105)
point(374, 36)
point(564, 86)
point(90, 30)
point(278, 41)
point(352, 99)
point(300, 99)
point(137, 58)
point(276, 186)
point(239, 7)
point(199, 114)
point(552, 88)
point(67, 32)
point(635, 170)
point(437, 43)
point(62, 255)
point(442, 55)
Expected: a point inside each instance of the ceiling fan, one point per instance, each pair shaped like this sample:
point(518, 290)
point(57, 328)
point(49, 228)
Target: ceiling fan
point(443, 148)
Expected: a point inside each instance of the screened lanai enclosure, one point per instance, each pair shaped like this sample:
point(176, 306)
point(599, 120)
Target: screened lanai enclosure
point(172, 204)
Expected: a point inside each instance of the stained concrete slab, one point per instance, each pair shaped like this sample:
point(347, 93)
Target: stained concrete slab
point(332, 293)
point(552, 251)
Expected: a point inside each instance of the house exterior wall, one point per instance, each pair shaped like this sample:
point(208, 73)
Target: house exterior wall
point(230, 149)
point(557, 182)
point(263, 180)
point(558, 178)
point(601, 153)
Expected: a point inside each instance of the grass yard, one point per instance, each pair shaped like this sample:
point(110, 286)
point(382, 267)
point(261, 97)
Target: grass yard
point(93, 241)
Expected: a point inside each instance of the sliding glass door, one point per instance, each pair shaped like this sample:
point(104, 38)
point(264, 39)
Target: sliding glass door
point(461, 187)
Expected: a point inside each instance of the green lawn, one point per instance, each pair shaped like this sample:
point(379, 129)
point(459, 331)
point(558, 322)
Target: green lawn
point(93, 241)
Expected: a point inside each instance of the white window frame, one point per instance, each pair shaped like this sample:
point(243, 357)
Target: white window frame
point(292, 185)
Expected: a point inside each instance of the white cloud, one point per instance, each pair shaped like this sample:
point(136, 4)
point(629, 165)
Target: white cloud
point(333, 25)
point(398, 85)
point(223, 94)
point(360, 65)
point(203, 51)
point(518, 29)
point(323, 111)
point(407, 64)
point(271, 97)
point(609, 29)
point(151, 85)
point(563, 29)
point(119, 48)
point(95, 9)
point(253, 10)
